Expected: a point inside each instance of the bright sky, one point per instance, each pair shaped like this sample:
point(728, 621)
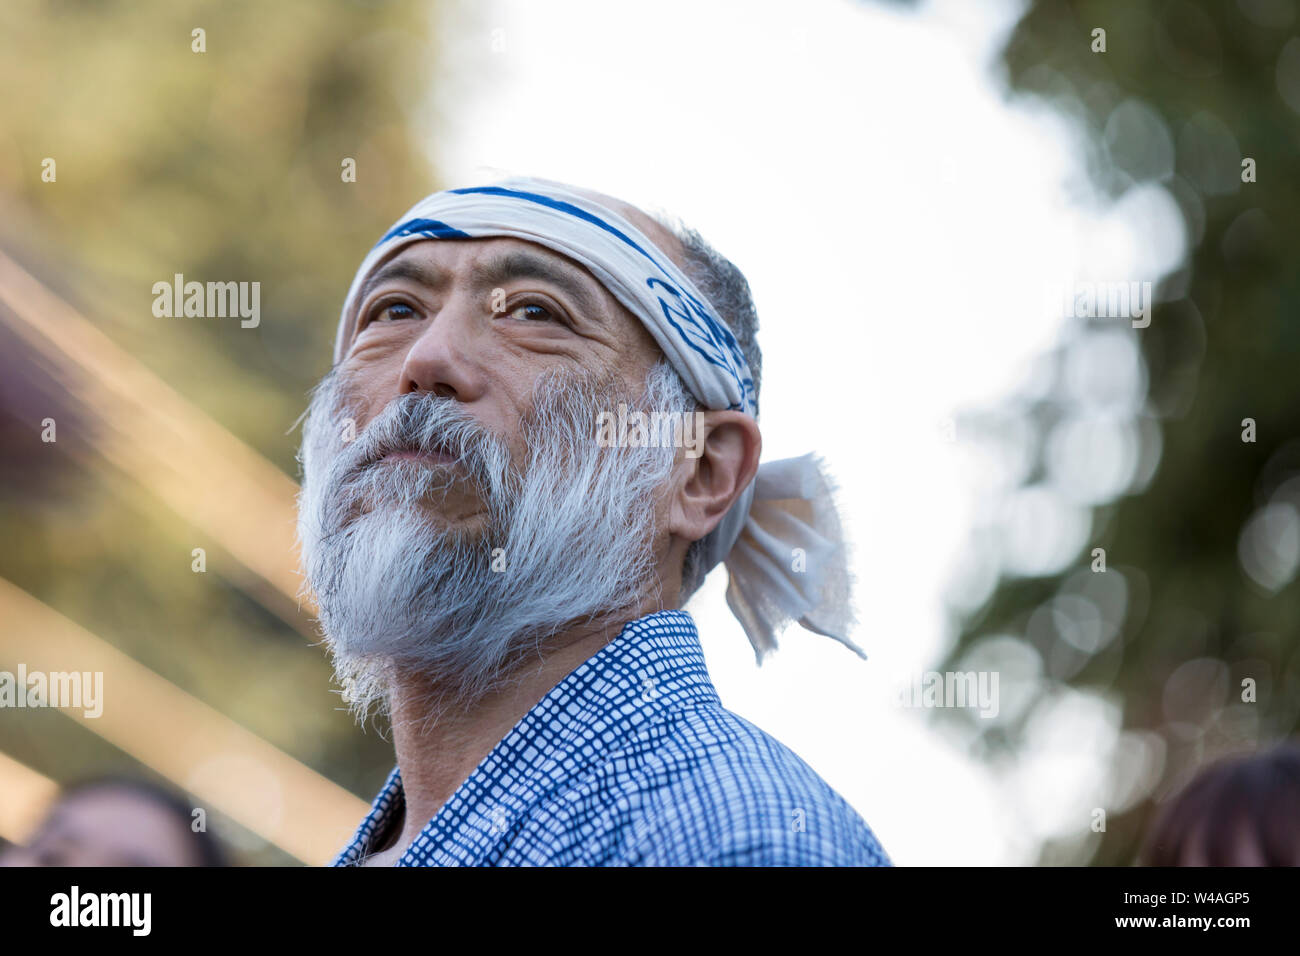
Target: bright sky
point(896, 219)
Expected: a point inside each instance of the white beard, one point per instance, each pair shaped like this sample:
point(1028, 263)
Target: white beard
point(398, 590)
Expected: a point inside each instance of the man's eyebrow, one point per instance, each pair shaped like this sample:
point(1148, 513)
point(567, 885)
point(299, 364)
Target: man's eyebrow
point(521, 264)
point(403, 269)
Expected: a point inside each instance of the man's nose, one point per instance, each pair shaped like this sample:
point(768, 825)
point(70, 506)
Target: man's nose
point(445, 359)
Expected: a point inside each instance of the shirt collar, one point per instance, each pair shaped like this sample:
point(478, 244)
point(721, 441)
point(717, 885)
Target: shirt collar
point(654, 665)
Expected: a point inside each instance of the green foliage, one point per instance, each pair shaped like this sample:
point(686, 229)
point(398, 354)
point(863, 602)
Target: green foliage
point(1222, 346)
point(223, 165)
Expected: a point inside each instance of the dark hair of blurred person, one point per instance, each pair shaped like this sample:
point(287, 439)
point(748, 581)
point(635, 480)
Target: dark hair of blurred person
point(1239, 811)
point(117, 820)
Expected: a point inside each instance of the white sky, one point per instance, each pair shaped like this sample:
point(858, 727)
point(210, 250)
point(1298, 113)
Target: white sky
point(896, 219)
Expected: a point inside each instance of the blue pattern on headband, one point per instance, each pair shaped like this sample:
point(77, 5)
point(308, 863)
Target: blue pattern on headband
point(706, 337)
point(429, 228)
point(562, 206)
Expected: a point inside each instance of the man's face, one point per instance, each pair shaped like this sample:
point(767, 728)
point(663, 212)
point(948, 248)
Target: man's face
point(456, 507)
point(481, 322)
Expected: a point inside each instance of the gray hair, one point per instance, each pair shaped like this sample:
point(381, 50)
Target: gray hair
point(727, 289)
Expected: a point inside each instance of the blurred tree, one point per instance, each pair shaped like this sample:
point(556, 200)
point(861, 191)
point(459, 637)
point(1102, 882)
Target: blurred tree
point(1189, 632)
point(276, 150)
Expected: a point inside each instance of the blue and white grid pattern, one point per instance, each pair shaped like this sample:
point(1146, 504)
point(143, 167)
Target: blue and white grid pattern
point(632, 760)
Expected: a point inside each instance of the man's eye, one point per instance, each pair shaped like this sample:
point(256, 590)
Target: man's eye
point(531, 312)
point(393, 312)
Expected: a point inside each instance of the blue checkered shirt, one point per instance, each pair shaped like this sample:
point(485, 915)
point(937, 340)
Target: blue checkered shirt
point(632, 760)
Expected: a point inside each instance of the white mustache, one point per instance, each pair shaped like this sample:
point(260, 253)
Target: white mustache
point(424, 424)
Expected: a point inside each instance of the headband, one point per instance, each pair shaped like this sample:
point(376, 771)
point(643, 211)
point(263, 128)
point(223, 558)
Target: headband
point(781, 540)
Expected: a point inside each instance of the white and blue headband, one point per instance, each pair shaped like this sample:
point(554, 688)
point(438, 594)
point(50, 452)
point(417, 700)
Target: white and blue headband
point(781, 540)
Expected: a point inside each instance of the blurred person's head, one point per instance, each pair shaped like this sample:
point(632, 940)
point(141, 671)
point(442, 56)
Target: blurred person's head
point(457, 509)
point(1239, 811)
point(117, 821)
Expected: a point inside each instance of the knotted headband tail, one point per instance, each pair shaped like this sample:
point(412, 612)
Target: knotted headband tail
point(791, 562)
point(781, 540)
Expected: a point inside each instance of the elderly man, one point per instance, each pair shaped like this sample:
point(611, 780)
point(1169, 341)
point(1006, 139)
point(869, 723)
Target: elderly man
point(500, 545)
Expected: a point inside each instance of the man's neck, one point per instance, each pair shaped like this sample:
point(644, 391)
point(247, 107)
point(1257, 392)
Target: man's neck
point(437, 756)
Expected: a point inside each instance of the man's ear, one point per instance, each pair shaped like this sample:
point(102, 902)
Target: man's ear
point(729, 444)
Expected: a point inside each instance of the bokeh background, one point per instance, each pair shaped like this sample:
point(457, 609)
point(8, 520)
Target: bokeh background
point(907, 186)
